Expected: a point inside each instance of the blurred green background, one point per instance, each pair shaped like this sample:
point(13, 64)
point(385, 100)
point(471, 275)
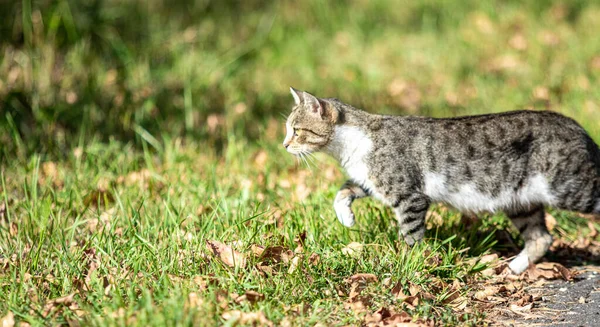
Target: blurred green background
point(133, 132)
point(96, 70)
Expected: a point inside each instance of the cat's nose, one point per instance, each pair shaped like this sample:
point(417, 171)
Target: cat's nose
point(285, 145)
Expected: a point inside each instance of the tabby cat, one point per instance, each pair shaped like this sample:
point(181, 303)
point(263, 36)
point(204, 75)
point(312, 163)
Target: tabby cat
point(516, 162)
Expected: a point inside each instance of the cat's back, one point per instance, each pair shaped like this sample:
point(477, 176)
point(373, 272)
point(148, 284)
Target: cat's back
point(520, 130)
point(501, 125)
point(484, 162)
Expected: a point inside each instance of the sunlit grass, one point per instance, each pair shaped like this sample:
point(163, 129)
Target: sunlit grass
point(133, 133)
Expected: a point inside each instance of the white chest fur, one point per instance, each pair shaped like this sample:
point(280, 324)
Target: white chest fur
point(351, 146)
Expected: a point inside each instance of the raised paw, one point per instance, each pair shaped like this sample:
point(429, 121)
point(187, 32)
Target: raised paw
point(344, 213)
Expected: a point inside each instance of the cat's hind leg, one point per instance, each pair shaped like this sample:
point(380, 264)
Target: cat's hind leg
point(410, 214)
point(532, 226)
point(343, 202)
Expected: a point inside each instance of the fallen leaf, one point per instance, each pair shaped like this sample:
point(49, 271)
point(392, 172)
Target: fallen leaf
point(314, 259)
point(362, 278)
point(524, 300)
point(57, 303)
point(413, 289)
point(459, 303)
point(228, 255)
point(257, 250)
point(550, 221)
point(518, 42)
point(520, 309)
point(276, 254)
point(378, 316)
point(294, 264)
point(260, 158)
point(548, 270)
point(593, 231)
point(300, 239)
point(484, 294)
point(405, 94)
point(398, 292)
point(250, 296)
point(8, 320)
point(194, 301)
point(243, 318)
point(352, 249)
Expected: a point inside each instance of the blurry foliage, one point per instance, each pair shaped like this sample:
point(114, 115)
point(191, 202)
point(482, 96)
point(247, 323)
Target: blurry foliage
point(74, 71)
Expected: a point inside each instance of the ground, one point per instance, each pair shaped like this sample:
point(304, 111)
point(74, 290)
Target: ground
point(143, 181)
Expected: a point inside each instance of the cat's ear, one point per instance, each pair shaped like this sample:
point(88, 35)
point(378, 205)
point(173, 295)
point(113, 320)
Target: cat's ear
point(296, 94)
point(314, 105)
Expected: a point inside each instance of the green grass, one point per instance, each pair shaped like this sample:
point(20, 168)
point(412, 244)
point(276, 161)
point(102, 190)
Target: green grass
point(131, 133)
point(147, 239)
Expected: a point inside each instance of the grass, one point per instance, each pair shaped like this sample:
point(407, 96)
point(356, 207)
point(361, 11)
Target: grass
point(131, 133)
point(145, 232)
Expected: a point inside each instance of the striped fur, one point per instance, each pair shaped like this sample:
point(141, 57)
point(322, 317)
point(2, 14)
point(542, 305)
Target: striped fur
point(517, 162)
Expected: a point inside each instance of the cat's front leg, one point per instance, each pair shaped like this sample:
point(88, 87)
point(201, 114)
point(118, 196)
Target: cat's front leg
point(410, 213)
point(343, 202)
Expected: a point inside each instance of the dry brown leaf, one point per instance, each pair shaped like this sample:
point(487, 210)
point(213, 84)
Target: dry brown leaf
point(254, 297)
point(518, 42)
point(228, 255)
point(54, 304)
point(250, 296)
point(504, 63)
point(593, 231)
point(487, 292)
point(548, 270)
point(520, 309)
point(524, 300)
point(352, 249)
point(243, 318)
point(8, 320)
point(413, 289)
point(412, 301)
point(459, 303)
point(433, 220)
point(294, 264)
point(257, 250)
point(276, 254)
point(405, 94)
point(265, 270)
point(260, 158)
point(362, 278)
point(300, 239)
point(378, 316)
point(550, 221)
point(357, 305)
point(398, 292)
point(314, 259)
point(194, 301)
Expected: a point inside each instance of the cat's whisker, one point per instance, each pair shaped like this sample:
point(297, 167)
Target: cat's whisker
point(313, 158)
point(310, 160)
point(303, 156)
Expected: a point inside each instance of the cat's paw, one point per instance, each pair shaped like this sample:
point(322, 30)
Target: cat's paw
point(344, 213)
point(519, 264)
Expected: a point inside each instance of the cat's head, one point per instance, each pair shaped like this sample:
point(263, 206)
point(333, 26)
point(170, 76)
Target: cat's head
point(310, 125)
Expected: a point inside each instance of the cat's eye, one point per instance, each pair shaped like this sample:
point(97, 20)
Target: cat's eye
point(296, 132)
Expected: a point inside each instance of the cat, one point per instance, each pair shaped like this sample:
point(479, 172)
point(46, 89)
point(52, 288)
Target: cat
point(516, 162)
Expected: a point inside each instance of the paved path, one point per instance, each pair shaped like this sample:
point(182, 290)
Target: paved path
point(563, 303)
